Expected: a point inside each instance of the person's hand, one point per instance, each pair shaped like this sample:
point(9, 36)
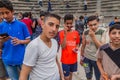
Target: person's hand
point(16, 41)
point(75, 50)
point(62, 78)
point(91, 33)
point(105, 76)
point(65, 31)
point(114, 77)
point(4, 38)
point(81, 60)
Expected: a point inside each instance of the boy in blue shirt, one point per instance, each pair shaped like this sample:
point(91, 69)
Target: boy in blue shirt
point(14, 46)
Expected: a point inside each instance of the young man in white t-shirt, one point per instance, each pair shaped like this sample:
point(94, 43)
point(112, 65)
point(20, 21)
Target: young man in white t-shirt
point(40, 59)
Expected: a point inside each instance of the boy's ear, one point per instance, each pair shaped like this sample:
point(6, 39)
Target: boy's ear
point(13, 12)
point(42, 24)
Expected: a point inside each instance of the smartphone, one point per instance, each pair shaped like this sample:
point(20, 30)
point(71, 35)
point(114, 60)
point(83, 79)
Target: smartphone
point(4, 35)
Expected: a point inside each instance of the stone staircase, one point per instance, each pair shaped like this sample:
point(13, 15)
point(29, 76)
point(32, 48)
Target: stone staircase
point(59, 7)
point(108, 8)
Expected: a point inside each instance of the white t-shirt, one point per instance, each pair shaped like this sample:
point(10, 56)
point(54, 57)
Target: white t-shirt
point(42, 59)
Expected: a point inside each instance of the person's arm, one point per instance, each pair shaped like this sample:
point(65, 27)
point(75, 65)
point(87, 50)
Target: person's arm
point(115, 77)
point(83, 44)
point(63, 44)
point(17, 41)
point(2, 39)
point(99, 64)
point(96, 41)
point(103, 73)
point(82, 49)
point(25, 72)
point(60, 69)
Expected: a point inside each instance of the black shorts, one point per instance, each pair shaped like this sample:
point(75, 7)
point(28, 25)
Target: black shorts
point(2, 69)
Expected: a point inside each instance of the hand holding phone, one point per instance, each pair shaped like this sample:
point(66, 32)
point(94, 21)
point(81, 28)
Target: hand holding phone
point(75, 50)
point(4, 35)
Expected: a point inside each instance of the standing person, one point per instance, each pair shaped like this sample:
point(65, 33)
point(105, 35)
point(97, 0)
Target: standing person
point(2, 68)
point(79, 26)
point(38, 27)
point(13, 50)
point(69, 41)
point(27, 21)
point(49, 6)
point(108, 56)
point(92, 39)
point(114, 21)
point(85, 4)
point(85, 20)
point(40, 3)
point(19, 16)
point(67, 4)
point(43, 64)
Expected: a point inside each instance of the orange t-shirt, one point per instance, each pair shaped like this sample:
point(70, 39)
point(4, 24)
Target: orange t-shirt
point(72, 39)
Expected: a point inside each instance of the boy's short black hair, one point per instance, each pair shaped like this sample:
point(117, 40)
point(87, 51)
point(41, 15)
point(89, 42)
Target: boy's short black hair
point(115, 17)
point(43, 13)
point(115, 26)
point(52, 15)
point(81, 17)
point(91, 18)
point(6, 4)
point(26, 14)
point(68, 17)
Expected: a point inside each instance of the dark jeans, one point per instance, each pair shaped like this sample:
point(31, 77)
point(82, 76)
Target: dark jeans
point(88, 66)
point(85, 7)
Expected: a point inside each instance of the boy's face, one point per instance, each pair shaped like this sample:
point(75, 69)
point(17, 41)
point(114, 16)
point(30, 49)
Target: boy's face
point(7, 14)
point(93, 25)
point(115, 36)
point(68, 25)
point(50, 27)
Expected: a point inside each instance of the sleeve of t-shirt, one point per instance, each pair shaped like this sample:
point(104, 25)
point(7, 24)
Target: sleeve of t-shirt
point(25, 31)
point(31, 55)
point(104, 37)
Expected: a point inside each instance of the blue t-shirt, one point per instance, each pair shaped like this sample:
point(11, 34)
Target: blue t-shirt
point(14, 54)
point(111, 23)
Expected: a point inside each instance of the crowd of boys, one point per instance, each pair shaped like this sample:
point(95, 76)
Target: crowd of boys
point(25, 56)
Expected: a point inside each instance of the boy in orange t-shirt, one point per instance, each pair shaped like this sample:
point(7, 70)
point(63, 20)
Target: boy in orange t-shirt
point(69, 41)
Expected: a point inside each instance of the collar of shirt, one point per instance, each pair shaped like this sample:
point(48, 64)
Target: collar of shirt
point(14, 19)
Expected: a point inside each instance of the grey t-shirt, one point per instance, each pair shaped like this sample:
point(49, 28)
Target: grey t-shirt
point(42, 59)
point(91, 48)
